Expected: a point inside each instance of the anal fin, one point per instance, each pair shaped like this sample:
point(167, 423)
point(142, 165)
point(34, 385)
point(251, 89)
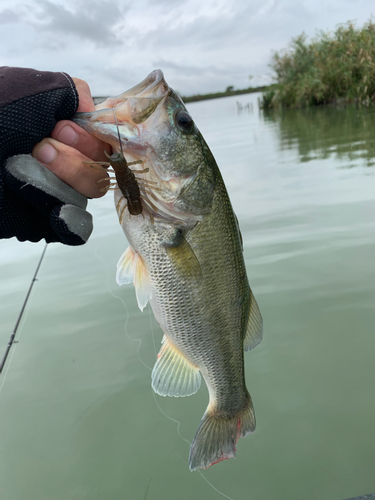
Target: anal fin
point(173, 374)
point(254, 330)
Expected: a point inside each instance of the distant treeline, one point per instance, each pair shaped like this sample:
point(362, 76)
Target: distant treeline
point(333, 67)
point(202, 97)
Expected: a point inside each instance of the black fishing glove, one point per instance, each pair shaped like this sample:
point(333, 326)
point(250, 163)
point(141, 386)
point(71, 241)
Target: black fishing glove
point(40, 205)
point(34, 203)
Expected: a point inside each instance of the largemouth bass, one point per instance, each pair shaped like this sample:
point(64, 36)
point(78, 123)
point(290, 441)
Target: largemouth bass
point(185, 258)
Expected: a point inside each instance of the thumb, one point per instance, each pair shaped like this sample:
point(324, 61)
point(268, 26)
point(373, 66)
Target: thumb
point(86, 102)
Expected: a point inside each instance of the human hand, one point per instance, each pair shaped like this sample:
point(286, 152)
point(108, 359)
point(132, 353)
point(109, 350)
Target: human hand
point(48, 198)
point(69, 146)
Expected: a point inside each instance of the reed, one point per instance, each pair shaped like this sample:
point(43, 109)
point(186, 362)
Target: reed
point(333, 67)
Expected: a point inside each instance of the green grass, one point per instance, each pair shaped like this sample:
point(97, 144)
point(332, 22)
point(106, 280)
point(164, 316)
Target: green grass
point(333, 67)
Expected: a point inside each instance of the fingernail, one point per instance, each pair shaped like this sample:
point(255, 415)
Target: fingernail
point(67, 135)
point(46, 153)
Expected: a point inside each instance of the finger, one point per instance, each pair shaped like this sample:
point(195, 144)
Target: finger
point(68, 164)
point(73, 135)
point(86, 103)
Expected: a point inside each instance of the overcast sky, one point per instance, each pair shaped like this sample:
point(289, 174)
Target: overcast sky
point(201, 45)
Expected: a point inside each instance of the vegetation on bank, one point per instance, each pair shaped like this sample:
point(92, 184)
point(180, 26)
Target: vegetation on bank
point(229, 91)
point(333, 67)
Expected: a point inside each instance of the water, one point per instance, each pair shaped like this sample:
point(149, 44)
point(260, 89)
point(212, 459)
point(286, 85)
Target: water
point(78, 416)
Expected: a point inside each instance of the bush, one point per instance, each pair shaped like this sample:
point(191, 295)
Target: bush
point(333, 67)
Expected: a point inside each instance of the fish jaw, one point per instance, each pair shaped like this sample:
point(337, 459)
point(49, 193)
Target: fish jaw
point(154, 85)
point(123, 114)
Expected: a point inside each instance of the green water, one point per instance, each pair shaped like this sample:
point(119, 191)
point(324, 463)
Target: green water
point(78, 417)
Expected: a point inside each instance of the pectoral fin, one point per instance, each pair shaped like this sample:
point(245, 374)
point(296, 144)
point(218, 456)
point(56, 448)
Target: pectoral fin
point(131, 268)
point(125, 267)
point(173, 374)
point(254, 330)
point(183, 257)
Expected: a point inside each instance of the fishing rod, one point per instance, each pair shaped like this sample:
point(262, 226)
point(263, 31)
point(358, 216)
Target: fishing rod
point(12, 337)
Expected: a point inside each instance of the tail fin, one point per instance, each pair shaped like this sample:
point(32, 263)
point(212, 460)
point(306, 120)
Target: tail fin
point(217, 436)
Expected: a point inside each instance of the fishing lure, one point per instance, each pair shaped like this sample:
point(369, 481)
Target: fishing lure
point(127, 182)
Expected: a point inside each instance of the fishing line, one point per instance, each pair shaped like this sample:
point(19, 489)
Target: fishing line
point(213, 487)
point(179, 423)
point(118, 131)
point(12, 339)
point(172, 420)
point(117, 297)
point(139, 341)
point(188, 442)
point(152, 331)
point(207, 481)
point(153, 393)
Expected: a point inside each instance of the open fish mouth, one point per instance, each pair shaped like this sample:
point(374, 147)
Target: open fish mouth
point(153, 86)
point(127, 111)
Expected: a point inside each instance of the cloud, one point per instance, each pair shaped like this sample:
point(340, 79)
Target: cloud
point(195, 79)
point(203, 46)
point(96, 21)
point(8, 16)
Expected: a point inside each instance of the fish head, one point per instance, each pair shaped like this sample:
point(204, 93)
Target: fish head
point(154, 126)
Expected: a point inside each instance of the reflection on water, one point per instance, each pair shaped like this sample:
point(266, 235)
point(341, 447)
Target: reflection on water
point(346, 133)
point(78, 414)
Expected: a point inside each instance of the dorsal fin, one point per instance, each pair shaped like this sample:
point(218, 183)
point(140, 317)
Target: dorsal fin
point(173, 374)
point(254, 330)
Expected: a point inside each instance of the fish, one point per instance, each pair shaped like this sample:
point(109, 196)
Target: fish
point(185, 257)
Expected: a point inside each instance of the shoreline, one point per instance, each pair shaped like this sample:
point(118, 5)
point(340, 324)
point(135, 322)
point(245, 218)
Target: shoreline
point(204, 97)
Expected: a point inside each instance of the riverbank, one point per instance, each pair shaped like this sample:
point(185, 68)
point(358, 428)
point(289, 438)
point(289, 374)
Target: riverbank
point(203, 97)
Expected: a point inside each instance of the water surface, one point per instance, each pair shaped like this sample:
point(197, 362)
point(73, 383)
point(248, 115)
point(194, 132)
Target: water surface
point(79, 419)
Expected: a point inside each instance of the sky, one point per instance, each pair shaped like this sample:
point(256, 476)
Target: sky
point(201, 45)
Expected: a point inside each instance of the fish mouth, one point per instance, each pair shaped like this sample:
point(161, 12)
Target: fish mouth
point(153, 86)
point(125, 114)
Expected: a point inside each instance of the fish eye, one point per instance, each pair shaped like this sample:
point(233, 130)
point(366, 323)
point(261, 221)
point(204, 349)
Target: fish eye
point(184, 121)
